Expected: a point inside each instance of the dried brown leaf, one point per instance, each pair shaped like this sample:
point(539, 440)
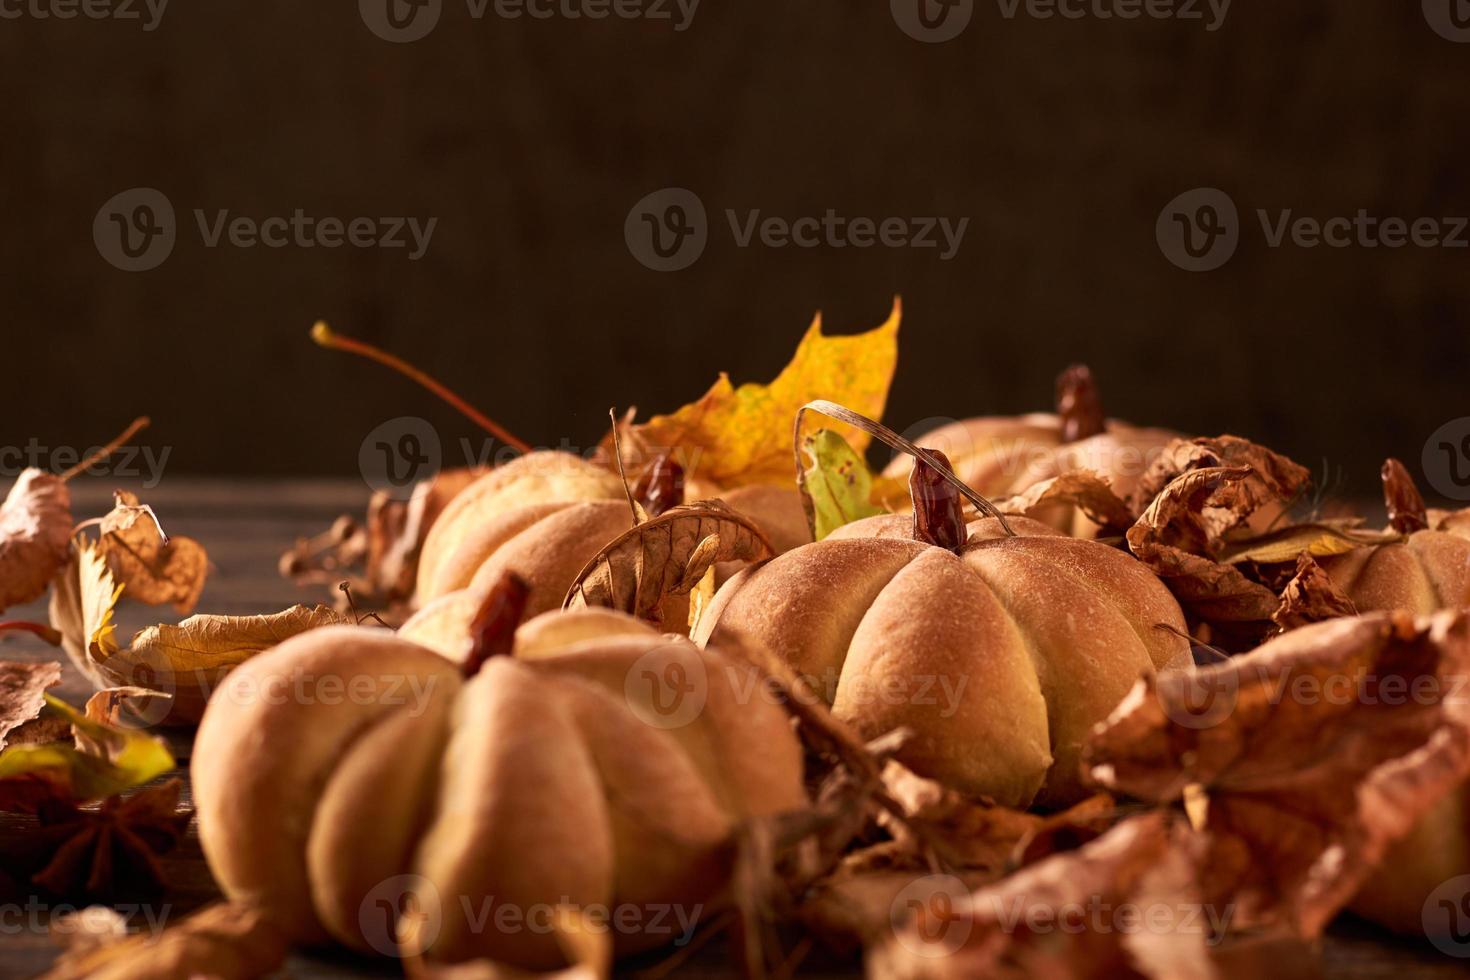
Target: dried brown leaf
point(1311, 597)
point(108, 705)
point(153, 567)
point(1320, 539)
point(1272, 481)
point(1311, 754)
point(183, 662)
point(379, 558)
point(189, 660)
point(225, 941)
point(1085, 490)
point(666, 556)
point(1179, 536)
point(1073, 915)
point(22, 690)
point(35, 532)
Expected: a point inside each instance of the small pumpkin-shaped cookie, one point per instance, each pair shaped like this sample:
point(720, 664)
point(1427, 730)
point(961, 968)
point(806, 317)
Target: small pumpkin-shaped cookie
point(331, 767)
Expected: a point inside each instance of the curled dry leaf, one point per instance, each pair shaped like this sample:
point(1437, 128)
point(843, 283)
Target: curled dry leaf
point(1179, 536)
point(977, 834)
point(107, 705)
point(1310, 756)
point(189, 660)
point(226, 941)
point(35, 531)
point(664, 556)
point(184, 662)
point(1085, 490)
point(735, 436)
point(1319, 540)
point(153, 567)
point(1311, 597)
point(23, 693)
point(1071, 915)
point(379, 558)
point(1273, 480)
point(939, 831)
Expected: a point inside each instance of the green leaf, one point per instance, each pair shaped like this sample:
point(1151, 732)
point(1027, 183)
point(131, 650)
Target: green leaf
point(116, 760)
point(837, 482)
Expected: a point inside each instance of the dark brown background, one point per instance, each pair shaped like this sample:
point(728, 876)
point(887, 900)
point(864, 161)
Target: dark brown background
point(530, 141)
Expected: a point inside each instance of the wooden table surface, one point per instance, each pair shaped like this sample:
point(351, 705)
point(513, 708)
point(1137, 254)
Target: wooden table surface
point(245, 526)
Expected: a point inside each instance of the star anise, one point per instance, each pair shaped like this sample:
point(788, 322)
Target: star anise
point(108, 852)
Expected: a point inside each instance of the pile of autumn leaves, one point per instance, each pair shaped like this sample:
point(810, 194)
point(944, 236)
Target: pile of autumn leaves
point(72, 768)
point(1254, 829)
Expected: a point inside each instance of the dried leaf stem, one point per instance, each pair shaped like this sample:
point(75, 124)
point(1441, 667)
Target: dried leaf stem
point(326, 337)
point(138, 425)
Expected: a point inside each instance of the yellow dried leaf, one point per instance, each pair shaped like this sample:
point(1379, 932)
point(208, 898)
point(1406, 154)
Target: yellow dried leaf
point(82, 603)
point(189, 660)
point(1317, 540)
point(185, 662)
point(735, 436)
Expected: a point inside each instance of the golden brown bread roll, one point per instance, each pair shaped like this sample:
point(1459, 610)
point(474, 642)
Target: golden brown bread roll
point(347, 757)
point(999, 456)
point(544, 515)
point(999, 659)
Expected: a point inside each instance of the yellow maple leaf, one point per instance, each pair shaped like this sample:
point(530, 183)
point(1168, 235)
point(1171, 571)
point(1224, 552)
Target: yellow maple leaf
point(735, 436)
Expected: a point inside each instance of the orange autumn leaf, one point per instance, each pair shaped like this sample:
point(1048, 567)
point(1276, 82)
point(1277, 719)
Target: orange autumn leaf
point(735, 436)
